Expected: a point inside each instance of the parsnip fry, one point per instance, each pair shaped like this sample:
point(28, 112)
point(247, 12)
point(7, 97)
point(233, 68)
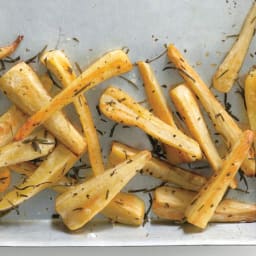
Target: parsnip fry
point(158, 169)
point(37, 145)
point(6, 51)
point(188, 108)
point(111, 64)
point(81, 203)
point(60, 66)
point(48, 173)
point(250, 98)
point(132, 210)
point(204, 204)
point(170, 203)
point(124, 208)
point(120, 107)
point(5, 179)
point(10, 122)
point(222, 121)
point(24, 88)
point(228, 70)
point(160, 108)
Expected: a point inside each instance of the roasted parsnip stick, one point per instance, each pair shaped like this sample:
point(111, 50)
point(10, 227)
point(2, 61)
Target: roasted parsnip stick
point(81, 203)
point(37, 145)
point(170, 203)
point(23, 87)
point(186, 104)
point(222, 121)
point(228, 70)
point(119, 209)
point(59, 65)
point(111, 64)
point(120, 107)
point(6, 51)
point(5, 179)
point(158, 169)
point(204, 204)
point(48, 173)
point(250, 98)
point(160, 108)
point(10, 122)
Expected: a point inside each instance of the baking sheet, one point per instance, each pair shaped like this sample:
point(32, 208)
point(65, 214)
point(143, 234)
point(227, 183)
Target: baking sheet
point(199, 28)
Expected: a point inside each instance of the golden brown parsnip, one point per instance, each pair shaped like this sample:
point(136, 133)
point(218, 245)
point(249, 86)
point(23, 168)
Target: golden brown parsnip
point(204, 204)
point(81, 203)
point(6, 51)
point(228, 70)
point(120, 107)
point(222, 121)
point(158, 169)
point(23, 87)
point(111, 64)
point(160, 108)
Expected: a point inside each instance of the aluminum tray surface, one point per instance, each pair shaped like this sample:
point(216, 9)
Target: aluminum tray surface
point(199, 28)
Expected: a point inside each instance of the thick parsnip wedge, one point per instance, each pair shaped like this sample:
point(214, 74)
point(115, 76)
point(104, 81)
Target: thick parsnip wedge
point(5, 178)
point(48, 173)
point(132, 210)
point(6, 51)
point(170, 203)
point(204, 204)
point(81, 203)
point(222, 121)
point(24, 88)
point(120, 107)
point(10, 122)
point(161, 109)
point(124, 208)
point(250, 98)
point(111, 64)
point(186, 104)
point(158, 169)
point(228, 70)
point(37, 145)
point(60, 66)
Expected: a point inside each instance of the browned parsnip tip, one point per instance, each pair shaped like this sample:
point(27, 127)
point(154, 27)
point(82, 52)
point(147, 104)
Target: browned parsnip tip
point(5, 51)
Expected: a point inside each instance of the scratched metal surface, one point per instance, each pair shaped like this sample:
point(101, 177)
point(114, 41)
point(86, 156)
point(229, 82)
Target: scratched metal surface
point(197, 27)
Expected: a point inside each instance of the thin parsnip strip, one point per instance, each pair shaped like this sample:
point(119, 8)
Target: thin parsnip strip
point(204, 204)
point(81, 203)
point(158, 169)
point(228, 70)
point(186, 104)
point(250, 98)
point(161, 109)
point(120, 107)
point(60, 66)
point(111, 64)
point(23, 87)
point(124, 208)
point(170, 203)
point(47, 174)
point(222, 121)
point(5, 178)
point(37, 145)
point(10, 122)
point(6, 51)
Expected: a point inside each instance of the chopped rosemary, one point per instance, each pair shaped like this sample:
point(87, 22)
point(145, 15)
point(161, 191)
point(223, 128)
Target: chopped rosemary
point(222, 74)
point(157, 57)
point(146, 218)
point(130, 82)
point(37, 56)
point(113, 130)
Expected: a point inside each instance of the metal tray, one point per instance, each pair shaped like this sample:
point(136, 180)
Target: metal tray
point(200, 28)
